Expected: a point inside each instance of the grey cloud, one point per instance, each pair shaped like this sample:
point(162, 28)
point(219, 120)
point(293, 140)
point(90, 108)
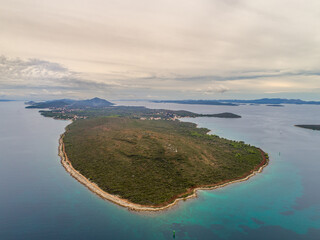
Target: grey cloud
point(86, 84)
point(20, 64)
point(18, 70)
point(244, 76)
point(231, 76)
point(38, 75)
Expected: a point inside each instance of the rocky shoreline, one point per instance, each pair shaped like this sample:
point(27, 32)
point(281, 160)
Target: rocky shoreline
point(191, 193)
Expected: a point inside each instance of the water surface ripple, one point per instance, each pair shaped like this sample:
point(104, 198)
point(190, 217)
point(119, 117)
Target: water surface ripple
point(39, 200)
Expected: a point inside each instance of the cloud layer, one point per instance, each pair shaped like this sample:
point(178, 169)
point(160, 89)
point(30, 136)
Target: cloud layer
point(184, 48)
point(43, 79)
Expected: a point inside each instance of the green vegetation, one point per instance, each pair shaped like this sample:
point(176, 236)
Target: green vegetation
point(275, 105)
point(121, 111)
point(225, 115)
point(312, 127)
point(96, 107)
point(132, 112)
point(146, 155)
point(151, 162)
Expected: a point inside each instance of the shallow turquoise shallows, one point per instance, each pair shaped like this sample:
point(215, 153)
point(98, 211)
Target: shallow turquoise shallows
point(39, 200)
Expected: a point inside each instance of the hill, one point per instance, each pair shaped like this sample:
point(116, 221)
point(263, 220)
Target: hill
point(71, 104)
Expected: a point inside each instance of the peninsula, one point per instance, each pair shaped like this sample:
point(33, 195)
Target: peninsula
point(96, 107)
point(146, 159)
point(312, 127)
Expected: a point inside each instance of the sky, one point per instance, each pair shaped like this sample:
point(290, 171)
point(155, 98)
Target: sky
point(163, 49)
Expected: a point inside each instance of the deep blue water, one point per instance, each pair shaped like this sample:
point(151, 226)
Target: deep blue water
point(39, 200)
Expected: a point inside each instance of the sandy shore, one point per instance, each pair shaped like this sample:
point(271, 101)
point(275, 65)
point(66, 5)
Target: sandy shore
point(137, 207)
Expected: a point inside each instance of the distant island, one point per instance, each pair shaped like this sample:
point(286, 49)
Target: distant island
point(223, 115)
point(274, 101)
point(312, 127)
point(234, 102)
point(200, 102)
point(146, 159)
point(275, 105)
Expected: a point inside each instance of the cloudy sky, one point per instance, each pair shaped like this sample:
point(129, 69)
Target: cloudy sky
point(159, 49)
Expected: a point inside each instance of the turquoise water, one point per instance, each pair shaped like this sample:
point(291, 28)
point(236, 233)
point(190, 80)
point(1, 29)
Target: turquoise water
point(39, 200)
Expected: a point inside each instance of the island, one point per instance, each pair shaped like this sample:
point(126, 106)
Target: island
point(146, 159)
point(312, 127)
point(275, 105)
point(276, 102)
point(272, 101)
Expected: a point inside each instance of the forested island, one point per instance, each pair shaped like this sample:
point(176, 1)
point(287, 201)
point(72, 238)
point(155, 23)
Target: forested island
point(146, 159)
point(312, 127)
point(275, 105)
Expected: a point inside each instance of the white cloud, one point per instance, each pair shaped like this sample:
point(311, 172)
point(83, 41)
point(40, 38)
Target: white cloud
point(215, 88)
point(170, 46)
point(15, 70)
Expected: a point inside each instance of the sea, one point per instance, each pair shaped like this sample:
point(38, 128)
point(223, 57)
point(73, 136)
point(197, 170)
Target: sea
point(40, 200)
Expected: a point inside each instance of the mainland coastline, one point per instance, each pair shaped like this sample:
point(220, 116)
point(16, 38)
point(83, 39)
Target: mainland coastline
point(191, 193)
